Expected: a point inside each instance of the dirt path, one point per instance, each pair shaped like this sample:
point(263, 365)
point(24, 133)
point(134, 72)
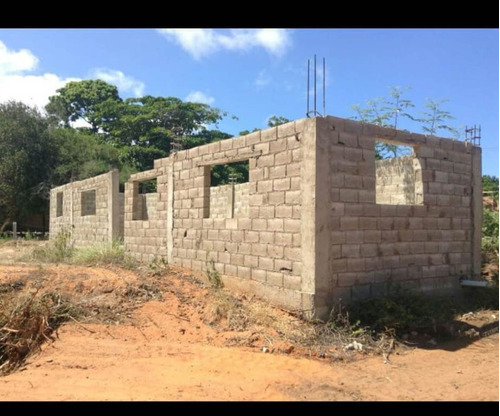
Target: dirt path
point(125, 363)
point(171, 348)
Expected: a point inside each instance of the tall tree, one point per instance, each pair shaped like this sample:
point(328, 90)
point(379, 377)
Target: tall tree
point(81, 100)
point(26, 160)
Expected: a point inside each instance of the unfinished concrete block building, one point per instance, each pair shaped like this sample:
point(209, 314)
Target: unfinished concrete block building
point(319, 218)
point(91, 210)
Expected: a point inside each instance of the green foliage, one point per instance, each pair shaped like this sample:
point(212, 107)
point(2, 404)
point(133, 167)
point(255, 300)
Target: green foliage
point(140, 129)
point(105, 253)
point(82, 100)
point(490, 183)
point(274, 121)
point(490, 229)
point(245, 132)
point(61, 249)
point(220, 174)
point(414, 311)
point(82, 155)
point(26, 159)
point(435, 118)
point(387, 112)
point(489, 242)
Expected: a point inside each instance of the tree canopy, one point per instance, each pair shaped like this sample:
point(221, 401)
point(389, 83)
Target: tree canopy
point(82, 100)
point(26, 159)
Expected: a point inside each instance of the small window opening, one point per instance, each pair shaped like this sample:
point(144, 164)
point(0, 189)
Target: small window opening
point(228, 195)
point(398, 175)
point(59, 208)
point(88, 203)
point(144, 206)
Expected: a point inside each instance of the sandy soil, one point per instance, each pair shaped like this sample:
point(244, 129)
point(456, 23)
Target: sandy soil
point(170, 347)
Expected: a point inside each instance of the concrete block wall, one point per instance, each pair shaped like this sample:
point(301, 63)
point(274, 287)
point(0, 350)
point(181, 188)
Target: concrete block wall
point(262, 250)
point(375, 247)
point(90, 210)
point(309, 227)
point(221, 203)
point(145, 234)
point(259, 249)
point(398, 181)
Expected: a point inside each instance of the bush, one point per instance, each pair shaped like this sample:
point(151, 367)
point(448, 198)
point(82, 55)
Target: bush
point(26, 322)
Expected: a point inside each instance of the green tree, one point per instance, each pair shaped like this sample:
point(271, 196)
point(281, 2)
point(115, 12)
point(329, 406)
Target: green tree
point(26, 160)
point(146, 126)
point(82, 100)
point(81, 155)
point(274, 121)
point(490, 184)
point(387, 112)
point(435, 118)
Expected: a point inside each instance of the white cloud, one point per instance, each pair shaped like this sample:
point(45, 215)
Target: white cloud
point(262, 79)
point(125, 84)
point(199, 97)
point(16, 61)
point(204, 42)
point(33, 90)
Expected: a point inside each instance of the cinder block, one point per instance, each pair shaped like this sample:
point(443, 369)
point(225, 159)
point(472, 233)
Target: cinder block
point(266, 263)
point(259, 224)
point(282, 184)
point(350, 250)
point(292, 253)
point(349, 195)
point(292, 282)
point(275, 279)
point(276, 198)
point(292, 225)
point(251, 236)
point(293, 197)
point(354, 237)
point(281, 238)
point(259, 249)
point(284, 211)
point(369, 250)
point(244, 272)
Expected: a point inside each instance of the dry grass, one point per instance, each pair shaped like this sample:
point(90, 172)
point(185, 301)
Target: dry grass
point(26, 321)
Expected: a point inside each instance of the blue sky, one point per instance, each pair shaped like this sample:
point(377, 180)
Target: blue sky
point(254, 74)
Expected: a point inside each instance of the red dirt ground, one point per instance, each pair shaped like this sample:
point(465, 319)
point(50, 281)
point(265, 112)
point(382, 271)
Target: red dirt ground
point(174, 346)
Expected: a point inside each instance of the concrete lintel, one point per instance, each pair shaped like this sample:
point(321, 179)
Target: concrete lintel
point(145, 176)
point(222, 161)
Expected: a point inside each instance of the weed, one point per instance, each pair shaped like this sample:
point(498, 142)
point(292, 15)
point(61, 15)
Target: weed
point(158, 266)
point(62, 250)
point(104, 253)
point(59, 250)
point(214, 277)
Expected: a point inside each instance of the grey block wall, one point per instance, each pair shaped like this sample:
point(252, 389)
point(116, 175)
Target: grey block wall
point(319, 220)
point(88, 209)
